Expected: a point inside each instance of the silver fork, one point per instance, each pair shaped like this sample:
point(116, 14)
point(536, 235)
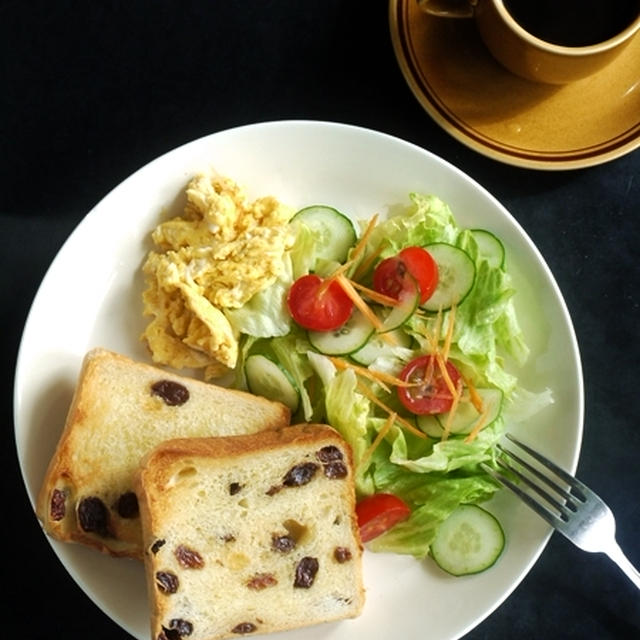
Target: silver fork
point(576, 512)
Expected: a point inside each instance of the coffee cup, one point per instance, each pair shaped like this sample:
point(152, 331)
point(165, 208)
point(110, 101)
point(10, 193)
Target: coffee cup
point(552, 41)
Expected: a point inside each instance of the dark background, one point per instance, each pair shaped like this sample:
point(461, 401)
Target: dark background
point(91, 91)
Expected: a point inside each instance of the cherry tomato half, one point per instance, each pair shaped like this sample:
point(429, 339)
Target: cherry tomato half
point(317, 304)
point(396, 275)
point(378, 513)
point(423, 268)
point(432, 395)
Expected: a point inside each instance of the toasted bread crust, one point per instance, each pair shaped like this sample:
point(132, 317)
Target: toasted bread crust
point(241, 444)
point(211, 508)
point(114, 419)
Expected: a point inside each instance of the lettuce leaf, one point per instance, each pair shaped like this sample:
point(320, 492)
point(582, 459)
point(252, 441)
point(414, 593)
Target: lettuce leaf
point(347, 411)
point(265, 314)
point(427, 220)
point(291, 352)
point(436, 497)
point(443, 476)
point(433, 477)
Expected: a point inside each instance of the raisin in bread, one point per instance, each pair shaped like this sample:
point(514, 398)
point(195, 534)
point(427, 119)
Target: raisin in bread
point(251, 533)
point(121, 410)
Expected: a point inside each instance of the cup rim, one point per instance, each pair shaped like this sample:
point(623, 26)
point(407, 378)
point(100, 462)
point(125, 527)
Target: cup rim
point(621, 37)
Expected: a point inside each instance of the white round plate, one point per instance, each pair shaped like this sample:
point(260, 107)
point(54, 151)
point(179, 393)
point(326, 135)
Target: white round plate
point(91, 296)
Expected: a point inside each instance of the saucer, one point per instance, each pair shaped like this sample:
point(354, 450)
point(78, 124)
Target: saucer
point(505, 117)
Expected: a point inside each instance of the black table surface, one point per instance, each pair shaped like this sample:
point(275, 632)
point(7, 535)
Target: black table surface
point(91, 91)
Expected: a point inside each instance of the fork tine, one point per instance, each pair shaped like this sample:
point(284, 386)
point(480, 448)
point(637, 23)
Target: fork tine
point(579, 489)
point(542, 511)
point(590, 527)
point(537, 488)
point(568, 497)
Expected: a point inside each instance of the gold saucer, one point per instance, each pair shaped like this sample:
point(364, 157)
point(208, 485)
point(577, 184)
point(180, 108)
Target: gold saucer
point(507, 118)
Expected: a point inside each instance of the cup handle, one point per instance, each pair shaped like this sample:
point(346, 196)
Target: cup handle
point(449, 8)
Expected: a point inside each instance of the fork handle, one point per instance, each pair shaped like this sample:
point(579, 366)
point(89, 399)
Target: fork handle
point(616, 554)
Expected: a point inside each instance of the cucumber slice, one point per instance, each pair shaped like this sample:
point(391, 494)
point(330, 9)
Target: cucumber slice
point(377, 347)
point(456, 276)
point(400, 313)
point(334, 232)
point(429, 425)
point(350, 337)
point(469, 541)
point(466, 416)
point(490, 248)
point(269, 379)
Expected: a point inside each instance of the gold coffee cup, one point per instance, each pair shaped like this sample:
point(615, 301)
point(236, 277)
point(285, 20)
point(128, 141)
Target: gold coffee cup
point(553, 41)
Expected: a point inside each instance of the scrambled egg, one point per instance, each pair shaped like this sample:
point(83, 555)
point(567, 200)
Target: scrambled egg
point(222, 252)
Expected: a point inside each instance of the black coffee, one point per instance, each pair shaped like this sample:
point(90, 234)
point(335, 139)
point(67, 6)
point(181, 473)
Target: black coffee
point(573, 23)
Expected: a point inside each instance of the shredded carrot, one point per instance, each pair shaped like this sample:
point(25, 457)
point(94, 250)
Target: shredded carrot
point(357, 300)
point(450, 416)
point(341, 269)
point(474, 396)
point(479, 426)
point(446, 430)
point(376, 376)
point(366, 373)
point(324, 287)
point(435, 336)
point(377, 440)
point(356, 251)
point(348, 288)
point(428, 372)
point(364, 266)
point(334, 276)
point(445, 375)
point(424, 331)
point(364, 238)
point(405, 423)
point(449, 336)
point(375, 296)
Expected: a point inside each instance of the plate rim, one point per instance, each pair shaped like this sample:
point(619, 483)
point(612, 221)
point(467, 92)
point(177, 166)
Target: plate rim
point(357, 130)
point(430, 101)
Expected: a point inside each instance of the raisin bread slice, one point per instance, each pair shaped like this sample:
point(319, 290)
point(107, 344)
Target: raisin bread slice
point(251, 533)
point(121, 410)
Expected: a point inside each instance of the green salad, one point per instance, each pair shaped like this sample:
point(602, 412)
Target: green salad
point(409, 356)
